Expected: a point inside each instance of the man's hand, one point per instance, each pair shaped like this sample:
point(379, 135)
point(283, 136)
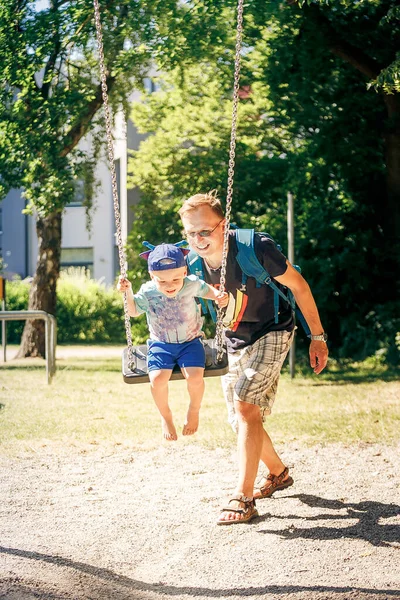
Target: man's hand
point(318, 356)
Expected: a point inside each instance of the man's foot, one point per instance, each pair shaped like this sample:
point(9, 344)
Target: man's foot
point(168, 429)
point(272, 483)
point(192, 422)
point(240, 509)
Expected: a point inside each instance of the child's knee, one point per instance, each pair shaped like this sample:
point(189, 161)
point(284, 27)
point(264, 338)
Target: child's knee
point(194, 376)
point(159, 378)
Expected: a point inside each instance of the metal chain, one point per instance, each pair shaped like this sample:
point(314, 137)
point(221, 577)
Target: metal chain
point(231, 173)
point(110, 147)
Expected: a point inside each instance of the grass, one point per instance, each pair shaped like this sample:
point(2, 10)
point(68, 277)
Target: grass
point(88, 403)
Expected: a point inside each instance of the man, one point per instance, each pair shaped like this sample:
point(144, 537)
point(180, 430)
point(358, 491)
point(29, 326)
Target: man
point(257, 346)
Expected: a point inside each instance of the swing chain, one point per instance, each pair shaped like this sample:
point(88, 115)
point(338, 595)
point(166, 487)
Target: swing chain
point(110, 147)
point(231, 173)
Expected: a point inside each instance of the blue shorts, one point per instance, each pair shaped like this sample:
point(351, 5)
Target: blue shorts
point(161, 355)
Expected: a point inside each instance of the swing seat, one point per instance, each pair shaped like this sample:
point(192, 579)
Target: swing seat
point(137, 372)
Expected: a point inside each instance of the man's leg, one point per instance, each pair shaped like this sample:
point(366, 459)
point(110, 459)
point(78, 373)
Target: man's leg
point(270, 457)
point(254, 375)
point(253, 444)
point(249, 445)
point(277, 478)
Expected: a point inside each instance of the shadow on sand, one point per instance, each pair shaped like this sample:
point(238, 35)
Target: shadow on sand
point(369, 527)
point(136, 588)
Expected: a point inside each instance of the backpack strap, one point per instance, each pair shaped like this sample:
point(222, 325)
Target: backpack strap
point(246, 256)
point(251, 266)
point(195, 267)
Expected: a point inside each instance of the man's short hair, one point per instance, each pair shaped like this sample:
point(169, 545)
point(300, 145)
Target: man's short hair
point(209, 199)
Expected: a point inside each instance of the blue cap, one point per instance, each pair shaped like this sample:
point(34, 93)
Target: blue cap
point(165, 256)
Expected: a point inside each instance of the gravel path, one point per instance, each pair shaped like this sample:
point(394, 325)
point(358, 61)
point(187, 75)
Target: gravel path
point(117, 523)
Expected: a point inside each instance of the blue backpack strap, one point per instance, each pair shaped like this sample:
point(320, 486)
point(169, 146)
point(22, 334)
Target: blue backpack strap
point(249, 264)
point(246, 256)
point(195, 266)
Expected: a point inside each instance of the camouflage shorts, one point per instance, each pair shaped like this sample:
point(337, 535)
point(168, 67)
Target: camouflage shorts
point(254, 373)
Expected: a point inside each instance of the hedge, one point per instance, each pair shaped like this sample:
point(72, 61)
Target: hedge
point(90, 312)
point(87, 311)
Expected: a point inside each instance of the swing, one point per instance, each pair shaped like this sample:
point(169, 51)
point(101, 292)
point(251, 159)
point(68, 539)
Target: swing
point(134, 367)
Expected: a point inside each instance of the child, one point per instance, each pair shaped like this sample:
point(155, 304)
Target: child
point(175, 323)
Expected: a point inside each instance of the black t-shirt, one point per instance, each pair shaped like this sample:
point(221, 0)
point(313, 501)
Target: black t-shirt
point(250, 312)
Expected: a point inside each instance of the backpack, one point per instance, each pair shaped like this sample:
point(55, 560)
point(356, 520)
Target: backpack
point(251, 267)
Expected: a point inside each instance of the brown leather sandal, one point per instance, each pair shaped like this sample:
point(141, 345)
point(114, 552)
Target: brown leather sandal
point(273, 483)
point(243, 514)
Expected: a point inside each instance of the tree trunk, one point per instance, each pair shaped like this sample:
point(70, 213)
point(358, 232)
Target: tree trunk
point(43, 290)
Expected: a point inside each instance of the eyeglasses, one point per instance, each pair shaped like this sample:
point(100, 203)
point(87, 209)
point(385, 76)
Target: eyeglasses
point(205, 233)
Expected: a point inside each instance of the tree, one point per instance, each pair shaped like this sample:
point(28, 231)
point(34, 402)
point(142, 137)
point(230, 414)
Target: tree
point(50, 99)
point(338, 65)
point(311, 125)
point(366, 36)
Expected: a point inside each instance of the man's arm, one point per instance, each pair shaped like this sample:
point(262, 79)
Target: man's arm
point(305, 300)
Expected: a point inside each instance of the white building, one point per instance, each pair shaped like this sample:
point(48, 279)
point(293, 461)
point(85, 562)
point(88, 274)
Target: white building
point(95, 250)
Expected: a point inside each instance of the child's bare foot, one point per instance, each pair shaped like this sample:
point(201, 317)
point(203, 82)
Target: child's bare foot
point(168, 429)
point(192, 422)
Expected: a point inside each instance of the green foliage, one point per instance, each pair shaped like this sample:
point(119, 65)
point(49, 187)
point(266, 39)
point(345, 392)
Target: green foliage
point(162, 227)
point(389, 79)
point(49, 81)
point(17, 295)
point(381, 334)
point(50, 95)
point(87, 311)
point(346, 232)
point(48, 90)
point(176, 161)
point(309, 125)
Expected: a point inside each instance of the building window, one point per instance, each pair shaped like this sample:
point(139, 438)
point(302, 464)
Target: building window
point(150, 85)
point(79, 196)
point(77, 257)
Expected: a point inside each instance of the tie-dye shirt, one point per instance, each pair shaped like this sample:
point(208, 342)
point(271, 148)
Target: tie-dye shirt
point(173, 320)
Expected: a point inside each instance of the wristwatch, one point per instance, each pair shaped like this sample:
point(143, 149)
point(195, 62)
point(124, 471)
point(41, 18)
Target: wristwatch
point(322, 337)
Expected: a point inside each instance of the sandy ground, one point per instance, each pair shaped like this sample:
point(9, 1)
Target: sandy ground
point(120, 523)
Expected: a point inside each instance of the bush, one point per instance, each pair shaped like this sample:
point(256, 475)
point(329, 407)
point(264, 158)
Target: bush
point(90, 312)
point(17, 295)
point(87, 311)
